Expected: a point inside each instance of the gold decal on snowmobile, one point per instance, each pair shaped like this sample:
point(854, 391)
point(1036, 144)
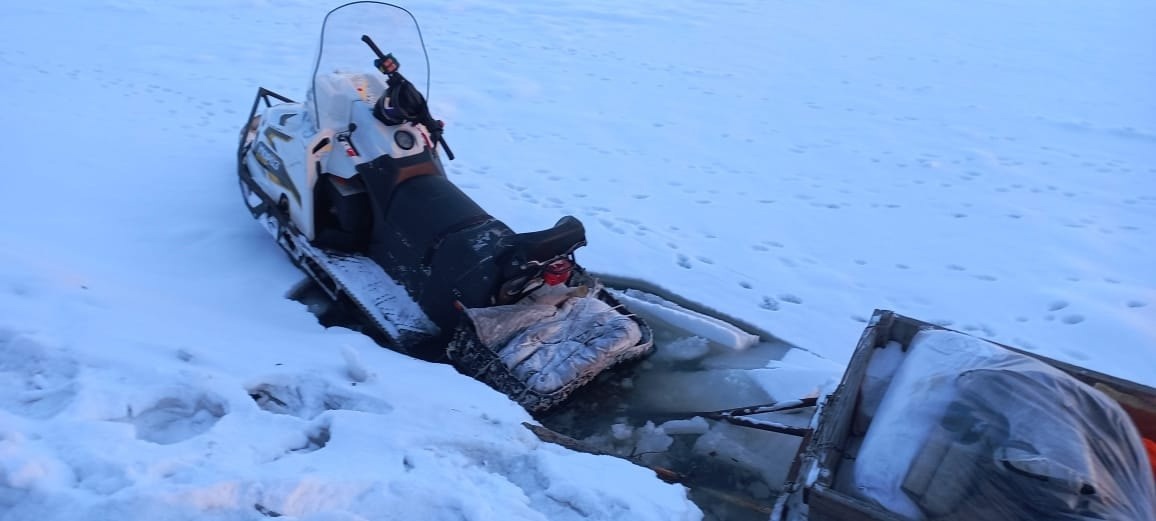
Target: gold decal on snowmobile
point(275, 169)
point(271, 133)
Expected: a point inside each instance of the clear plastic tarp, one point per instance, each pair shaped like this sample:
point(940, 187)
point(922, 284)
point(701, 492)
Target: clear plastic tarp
point(968, 430)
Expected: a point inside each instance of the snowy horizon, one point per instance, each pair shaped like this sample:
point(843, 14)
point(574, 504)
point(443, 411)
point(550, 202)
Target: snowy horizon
point(990, 167)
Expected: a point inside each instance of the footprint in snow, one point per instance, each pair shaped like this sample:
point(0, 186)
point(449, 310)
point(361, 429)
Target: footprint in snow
point(177, 418)
point(611, 226)
point(306, 396)
point(316, 436)
point(36, 380)
point(787, 297)
point(21, 289)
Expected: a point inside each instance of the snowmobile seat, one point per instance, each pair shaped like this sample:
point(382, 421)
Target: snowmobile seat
point(567, 235)
point(422, 213)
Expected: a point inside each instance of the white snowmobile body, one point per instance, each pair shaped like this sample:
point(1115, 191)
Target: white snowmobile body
point(350, 182)
point(292, 150)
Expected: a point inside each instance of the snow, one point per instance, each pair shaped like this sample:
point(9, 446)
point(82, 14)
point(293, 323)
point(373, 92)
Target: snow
point(122, 433)
point(987, 166)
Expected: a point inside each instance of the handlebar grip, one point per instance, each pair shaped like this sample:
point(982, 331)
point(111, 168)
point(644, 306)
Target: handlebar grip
point(373, 46)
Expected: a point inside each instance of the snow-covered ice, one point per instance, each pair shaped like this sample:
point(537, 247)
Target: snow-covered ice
point(987, 166)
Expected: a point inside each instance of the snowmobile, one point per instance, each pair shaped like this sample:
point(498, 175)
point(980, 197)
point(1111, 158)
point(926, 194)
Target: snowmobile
point(351, 185)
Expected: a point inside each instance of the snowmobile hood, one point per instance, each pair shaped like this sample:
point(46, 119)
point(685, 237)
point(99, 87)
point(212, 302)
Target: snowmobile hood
point(344, 61)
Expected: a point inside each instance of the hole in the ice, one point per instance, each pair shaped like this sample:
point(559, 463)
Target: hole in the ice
point(686, 375)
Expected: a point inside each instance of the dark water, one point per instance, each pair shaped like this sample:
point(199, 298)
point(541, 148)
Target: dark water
point(731, 472)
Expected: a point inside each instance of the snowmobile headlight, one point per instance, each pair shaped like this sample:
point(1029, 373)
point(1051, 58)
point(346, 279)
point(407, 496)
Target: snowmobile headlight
point(404, 139)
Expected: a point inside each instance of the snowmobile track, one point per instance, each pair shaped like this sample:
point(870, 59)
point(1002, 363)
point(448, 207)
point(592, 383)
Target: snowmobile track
point(380, 299)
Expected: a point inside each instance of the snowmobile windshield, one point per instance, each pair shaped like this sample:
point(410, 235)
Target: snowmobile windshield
point(344, 70)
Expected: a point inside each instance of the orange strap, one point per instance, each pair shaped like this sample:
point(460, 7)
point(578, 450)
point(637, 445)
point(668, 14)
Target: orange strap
point(1151, 447)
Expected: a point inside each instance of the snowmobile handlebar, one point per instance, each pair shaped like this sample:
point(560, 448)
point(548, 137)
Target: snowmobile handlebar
point(372, 46)
point(388, 65)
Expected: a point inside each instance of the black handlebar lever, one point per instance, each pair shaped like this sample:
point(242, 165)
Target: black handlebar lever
point(372, 46)
point(406, 97)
